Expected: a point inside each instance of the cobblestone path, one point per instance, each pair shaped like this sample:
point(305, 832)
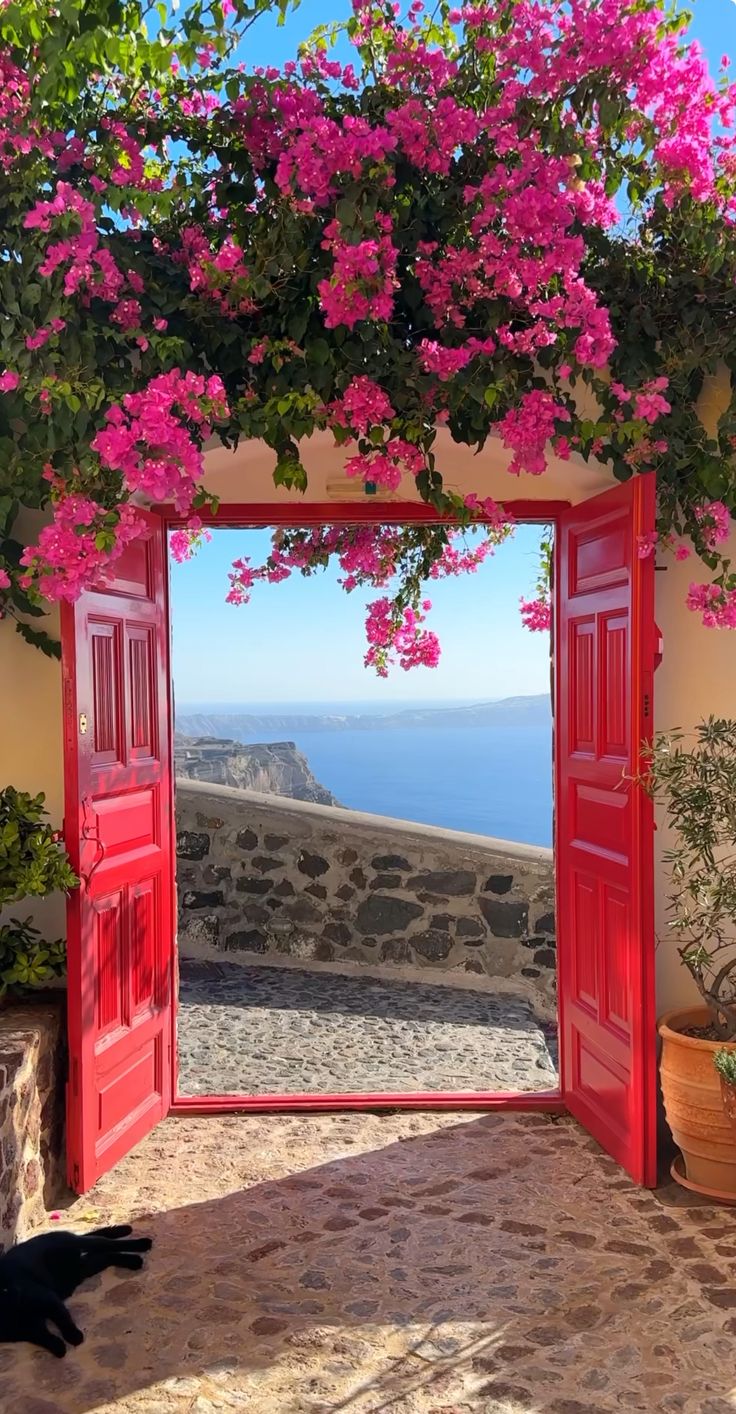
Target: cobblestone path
point(395, 1264)
point(261, 1030)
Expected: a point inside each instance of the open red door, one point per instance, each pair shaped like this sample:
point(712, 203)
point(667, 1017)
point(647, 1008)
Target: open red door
point(118, 804)
point(605, 648)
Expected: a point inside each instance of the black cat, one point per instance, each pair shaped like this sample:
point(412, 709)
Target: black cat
point(37, 1276)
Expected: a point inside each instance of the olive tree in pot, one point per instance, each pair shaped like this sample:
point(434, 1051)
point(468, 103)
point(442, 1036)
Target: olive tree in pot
point(695, 781)
point(32, 864)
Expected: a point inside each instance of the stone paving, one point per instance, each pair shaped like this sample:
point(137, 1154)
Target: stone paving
point(397, 1264)
point(260, 1030)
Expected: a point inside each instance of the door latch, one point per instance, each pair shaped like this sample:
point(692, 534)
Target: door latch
point(82, 723)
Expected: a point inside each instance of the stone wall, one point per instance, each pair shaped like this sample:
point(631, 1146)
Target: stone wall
point(258, 875)
point(32, 1074)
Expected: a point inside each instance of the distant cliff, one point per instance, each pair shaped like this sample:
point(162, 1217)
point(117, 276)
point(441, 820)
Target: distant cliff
point(509, 711)
point(274, 767)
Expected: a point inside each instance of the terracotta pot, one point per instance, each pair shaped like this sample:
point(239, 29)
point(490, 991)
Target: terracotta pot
point(728, 1096)
point(694, 1103)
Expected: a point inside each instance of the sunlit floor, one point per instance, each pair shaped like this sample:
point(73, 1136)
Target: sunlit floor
point(407, 1264)
point(270, 1030)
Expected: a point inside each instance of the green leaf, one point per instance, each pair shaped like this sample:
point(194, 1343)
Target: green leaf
point(289, 472)
point(38, 638)
point(318, 351)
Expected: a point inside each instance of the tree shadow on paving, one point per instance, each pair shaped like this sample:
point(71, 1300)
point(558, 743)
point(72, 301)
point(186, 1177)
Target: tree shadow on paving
point(473, 1256)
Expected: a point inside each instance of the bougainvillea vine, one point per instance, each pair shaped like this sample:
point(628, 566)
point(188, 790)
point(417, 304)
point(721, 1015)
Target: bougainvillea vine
point(510, 218)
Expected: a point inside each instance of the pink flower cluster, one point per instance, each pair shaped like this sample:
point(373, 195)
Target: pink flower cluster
point(127, 314)
point(130, 167)
point(715, 523)
point(648, 403)
point(385, 466)
point(526, 429)
point(399, 639)
point(18, 135)
point(717, 606)
point(242, 577)
point(184, 543)
point(489, 512)
point(462, 559)
point(68, 558)
point(536, 614)
point(363, 405)
point(221, 276)
point(368, 556)
point(147, 440)
point(91, 267)
point(363, 279)
point(446, 362)
point(647, 544)
point(430, 135)
point(324, 151)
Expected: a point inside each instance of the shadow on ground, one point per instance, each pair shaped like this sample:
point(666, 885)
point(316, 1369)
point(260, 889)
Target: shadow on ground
point(407, 1263)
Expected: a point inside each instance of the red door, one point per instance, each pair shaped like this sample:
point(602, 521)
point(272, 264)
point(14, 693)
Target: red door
point(605, 655)
point(118, 803)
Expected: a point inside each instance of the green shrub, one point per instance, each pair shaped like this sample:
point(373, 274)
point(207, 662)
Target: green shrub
point(26, 960)
point(33, 864)
point(725, 1064)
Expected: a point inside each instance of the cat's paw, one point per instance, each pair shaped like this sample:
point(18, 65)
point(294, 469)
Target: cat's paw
point(75, 1336)
point(145, 1244)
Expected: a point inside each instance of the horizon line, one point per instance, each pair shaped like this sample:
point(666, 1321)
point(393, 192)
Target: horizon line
point(364, 702)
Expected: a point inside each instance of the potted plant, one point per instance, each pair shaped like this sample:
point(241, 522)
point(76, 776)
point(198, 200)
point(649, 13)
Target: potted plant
point(32, 864)
point(695, 781)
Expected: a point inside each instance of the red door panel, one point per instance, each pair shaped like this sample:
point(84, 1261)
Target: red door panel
point(605, 647)
point(118, 812)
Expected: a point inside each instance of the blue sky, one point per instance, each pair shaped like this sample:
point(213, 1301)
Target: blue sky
point(302, 641)
point(714, 24)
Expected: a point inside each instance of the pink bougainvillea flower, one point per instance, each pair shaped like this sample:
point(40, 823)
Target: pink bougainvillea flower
point(424, 236)
point(647, 544)
point(715, 520)
point(363, 405)
point(399, 638)
point(536, 615)
point(716, 606)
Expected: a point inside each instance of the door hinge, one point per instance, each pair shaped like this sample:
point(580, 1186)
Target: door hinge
point(647, 706)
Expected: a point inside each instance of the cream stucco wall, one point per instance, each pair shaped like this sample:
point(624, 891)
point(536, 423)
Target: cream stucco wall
point(246, 474)
point(697, 676)
point(31, 754)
